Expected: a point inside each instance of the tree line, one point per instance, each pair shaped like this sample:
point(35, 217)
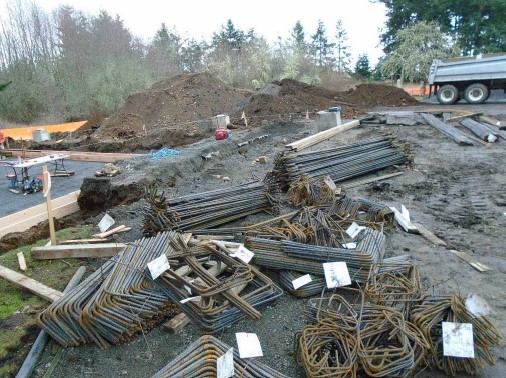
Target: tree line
point(75, 65)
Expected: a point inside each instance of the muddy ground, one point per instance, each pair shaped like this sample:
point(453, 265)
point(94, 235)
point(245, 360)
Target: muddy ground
point(456, 192)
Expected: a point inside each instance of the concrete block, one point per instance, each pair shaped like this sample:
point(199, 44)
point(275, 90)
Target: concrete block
point(40, 135)
point(327, 120)
point(221, 120)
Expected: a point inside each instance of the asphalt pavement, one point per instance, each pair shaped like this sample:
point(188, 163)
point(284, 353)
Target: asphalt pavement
point(11, 203)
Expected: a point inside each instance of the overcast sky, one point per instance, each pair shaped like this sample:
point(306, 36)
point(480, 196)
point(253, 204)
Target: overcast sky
point(270, 18)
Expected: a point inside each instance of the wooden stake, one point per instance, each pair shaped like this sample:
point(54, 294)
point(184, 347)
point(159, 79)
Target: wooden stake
point(21, 261)
point(47, 190)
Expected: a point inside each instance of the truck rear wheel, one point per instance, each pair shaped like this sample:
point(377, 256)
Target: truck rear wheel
point(448, 94)
point(476, 93)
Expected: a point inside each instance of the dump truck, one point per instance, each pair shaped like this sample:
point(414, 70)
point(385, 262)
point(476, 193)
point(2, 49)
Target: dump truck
point(471, 78)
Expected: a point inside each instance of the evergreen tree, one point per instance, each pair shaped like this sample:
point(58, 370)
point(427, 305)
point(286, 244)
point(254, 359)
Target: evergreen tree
point(476, 25)
point(230, 36)
point(362, 67)
point(343, 54)
point(298, 37)
point(321, 49)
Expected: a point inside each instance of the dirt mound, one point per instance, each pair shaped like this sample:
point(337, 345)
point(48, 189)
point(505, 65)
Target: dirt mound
point(368, 95)
point(289, 98)
point(176, 111)
point(178, 103)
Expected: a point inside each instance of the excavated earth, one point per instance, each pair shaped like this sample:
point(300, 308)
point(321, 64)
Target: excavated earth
point(456, 192)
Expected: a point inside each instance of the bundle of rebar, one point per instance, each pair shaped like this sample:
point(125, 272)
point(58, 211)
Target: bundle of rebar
point(394, 285)
point(340, 163)
point(116, 302)
point(311, 192)
point(429, 316)
point(199, 360)
point(447, 129)
point(326, 350)
point(326, 225)
point(215, 290)
point(388, 345)
point(314, 287)
point(479, 129)
point(288, 255)
point(205, 210)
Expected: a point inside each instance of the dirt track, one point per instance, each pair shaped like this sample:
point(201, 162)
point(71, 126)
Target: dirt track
point(456, 192)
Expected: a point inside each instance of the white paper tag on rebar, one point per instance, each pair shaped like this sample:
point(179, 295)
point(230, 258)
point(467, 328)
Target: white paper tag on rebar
point(191, 299)
point(458, 340)
point(158, 266)
point(477, 305)
point(188, 289)
point(249, 345)
point(350, 245)
point(336, 274)
point(354, 230)
point(301, 281)
point(225, 365)
point(243, 254)
point(106, 222)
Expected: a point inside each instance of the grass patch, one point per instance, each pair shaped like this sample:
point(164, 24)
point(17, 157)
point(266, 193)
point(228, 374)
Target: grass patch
point(19, 308)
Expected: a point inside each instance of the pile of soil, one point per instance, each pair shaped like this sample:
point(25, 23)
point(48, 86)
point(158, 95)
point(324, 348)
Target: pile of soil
point(176, 103)
point(177, 111)
point(289, 98)
point(370, 95)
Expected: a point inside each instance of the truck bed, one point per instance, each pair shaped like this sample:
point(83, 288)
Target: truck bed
point(492, 67)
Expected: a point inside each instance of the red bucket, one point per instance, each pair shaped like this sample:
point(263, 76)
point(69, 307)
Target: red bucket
point(221, 134)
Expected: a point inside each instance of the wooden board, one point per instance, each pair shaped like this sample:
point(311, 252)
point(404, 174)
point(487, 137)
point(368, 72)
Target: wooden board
point(101, 157)
point(471, 261)
point(177, 323)
point(321, 136)
point(429, 235)
point(105, 234)
point(30, 284)
point(76, 251)
point(463, 116)
point(82, 241)
point(21, 261)
point(23, 220)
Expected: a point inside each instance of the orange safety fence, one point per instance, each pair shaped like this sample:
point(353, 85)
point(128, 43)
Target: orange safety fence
point(417, 91)
point(25, 133)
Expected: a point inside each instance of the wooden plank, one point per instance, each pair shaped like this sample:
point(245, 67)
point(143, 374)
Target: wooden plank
point(82, 241)
point(77, 251)
point(33, 286)
point(471, 261)
point(23, 220)
point(177, 323)
point(21, 261)
point(101, 157)
point(321, 136)
point(105, 234)
point(463, 116)
point(429, 235)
